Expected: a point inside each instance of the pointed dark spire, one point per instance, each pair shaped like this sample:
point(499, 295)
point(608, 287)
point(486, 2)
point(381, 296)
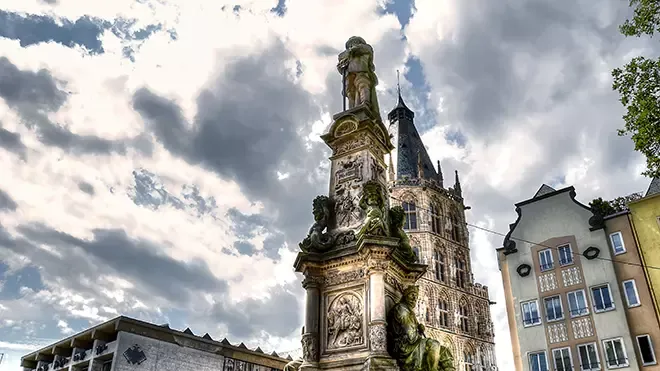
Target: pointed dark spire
point(457, 186)
point(441, 181)
point(654, 187)
point(401, 111)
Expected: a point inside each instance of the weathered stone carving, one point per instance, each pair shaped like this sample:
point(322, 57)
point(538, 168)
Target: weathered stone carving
point(349, 169)
point(356, 65)
point(346, 210)
point(407, 343)
point(293, 365)
point(378, 337)
point(309, 348)
point(345, 237)
point(316, 239)
point(345, 316)
point(373, 202)
point(340, 278)
point(397, 219)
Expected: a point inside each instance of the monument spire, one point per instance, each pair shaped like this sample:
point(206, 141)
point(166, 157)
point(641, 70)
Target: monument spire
point(356, 241)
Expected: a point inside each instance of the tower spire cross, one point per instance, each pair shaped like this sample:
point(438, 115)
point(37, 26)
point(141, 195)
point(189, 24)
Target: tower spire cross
point(398, 85)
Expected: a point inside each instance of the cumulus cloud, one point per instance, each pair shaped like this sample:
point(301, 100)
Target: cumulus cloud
point(185, 134)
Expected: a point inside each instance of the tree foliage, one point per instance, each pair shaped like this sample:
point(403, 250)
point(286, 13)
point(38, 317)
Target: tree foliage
point(638, 84)
point(604, 208)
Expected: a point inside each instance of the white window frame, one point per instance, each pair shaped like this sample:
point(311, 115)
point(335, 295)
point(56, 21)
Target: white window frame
point(623, 347)
point(593, 299)
point(561, 306)
point(545, 355)
point(655, 359)
point(552, 260)
point(570, 253)
point(586, 303)
point(591, 368)
point(570, 357)
point(623, 244)
point(625, 293)
point(538, 313)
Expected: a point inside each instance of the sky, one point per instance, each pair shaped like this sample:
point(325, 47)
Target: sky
point(160, 157)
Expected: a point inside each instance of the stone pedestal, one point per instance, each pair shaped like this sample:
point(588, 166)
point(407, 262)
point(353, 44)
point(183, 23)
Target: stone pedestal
point(350, 289)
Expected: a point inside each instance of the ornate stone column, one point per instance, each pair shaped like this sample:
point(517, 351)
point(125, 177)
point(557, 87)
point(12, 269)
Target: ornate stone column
point(310, 336)
point(377, 324)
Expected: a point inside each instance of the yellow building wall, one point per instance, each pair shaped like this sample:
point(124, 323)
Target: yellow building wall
point(644, 215)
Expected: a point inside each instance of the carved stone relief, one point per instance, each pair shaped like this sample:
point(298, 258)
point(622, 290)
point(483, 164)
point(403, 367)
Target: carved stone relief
point(347, 170)
point(378, 337)
point(350, 145)
point(345, 321)
point(310, 350)
point(344, 277)
point(345, 128)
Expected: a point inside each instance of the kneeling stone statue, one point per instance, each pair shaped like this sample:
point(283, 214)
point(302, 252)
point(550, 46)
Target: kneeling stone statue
point(407, 342)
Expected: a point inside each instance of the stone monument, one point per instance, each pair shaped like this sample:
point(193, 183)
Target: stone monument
point(357, 262)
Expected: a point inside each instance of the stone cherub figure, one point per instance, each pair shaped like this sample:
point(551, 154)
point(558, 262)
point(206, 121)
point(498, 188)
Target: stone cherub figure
point(407, 343)
point(316, 239)
point(397, 219)
point(356, 64)
point(373, 202)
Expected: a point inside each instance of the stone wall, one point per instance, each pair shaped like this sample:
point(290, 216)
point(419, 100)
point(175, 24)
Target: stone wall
point(164, 356)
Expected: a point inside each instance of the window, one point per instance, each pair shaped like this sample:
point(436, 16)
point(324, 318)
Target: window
point(615, 353)
point(440, 271)
point(463, 317)
point(538, 362)
point(577, 303)
point(416, 251)
point(106, 366)
point(460, 272)
point(455, 227)
point(565, 255)
point(602, 298)
point(617, 243)
point(468, 361)
point(435, 218)
point(562, 359)
point(553, 308)
point(645, 346)
point(530, 313)
point(588, 357)
point(545, 259)
point(443, 313)
point(411, 215)
point(630, 291)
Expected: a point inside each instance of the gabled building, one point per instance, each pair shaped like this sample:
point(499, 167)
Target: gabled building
point(454, 309)
point(125, 343)
point(645, 216)
point(563, 297)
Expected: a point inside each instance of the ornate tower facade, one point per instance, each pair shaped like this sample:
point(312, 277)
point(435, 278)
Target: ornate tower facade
point(454, 309)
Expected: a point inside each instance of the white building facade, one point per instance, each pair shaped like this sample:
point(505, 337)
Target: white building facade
point(563, 299)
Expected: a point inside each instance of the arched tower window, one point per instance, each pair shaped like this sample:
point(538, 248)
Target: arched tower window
point(455, 226)
point(468, 360)
point(443, 313)
point(440, 268)
point(411, 215)
point(459, 265)
point(435, 218)
point(464, 321)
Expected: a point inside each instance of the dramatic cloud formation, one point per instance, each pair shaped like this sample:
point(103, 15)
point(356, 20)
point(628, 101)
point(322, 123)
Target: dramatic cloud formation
point(160, 157)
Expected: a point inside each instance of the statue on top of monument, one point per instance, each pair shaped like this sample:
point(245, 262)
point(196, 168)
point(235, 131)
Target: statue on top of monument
point(356, 65)
point(406, 341)
point(397, 219)
point(316, 239)
point(373, 203)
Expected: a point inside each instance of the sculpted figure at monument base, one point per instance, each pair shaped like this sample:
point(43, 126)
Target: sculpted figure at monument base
point(406, 340)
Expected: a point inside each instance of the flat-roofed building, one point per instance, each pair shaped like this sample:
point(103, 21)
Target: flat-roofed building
point(123, 343)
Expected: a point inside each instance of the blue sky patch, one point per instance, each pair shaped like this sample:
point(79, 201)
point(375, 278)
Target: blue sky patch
point(401, 8)
point(12, 282)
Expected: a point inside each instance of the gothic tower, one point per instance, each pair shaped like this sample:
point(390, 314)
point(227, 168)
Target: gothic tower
point(454, 309)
